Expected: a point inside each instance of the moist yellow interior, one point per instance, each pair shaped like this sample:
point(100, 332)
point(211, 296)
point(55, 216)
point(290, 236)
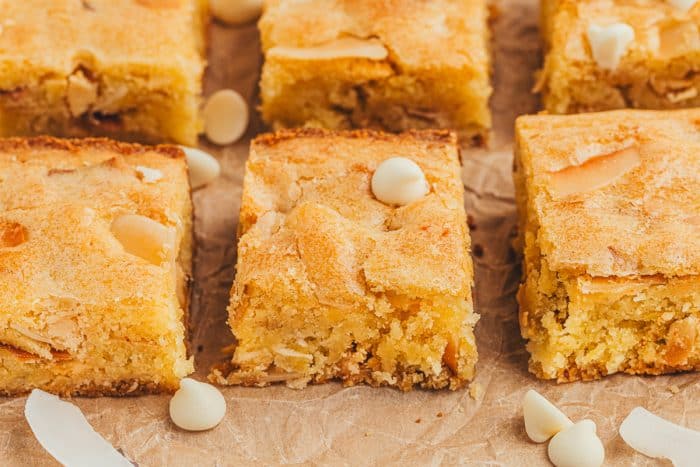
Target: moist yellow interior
point(573, 333)
point(401, 342)
point(651, 80)
point(362, 93)
point(131, 105)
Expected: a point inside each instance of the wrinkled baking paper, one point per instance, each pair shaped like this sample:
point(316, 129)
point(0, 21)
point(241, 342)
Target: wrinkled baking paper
point(328, 424)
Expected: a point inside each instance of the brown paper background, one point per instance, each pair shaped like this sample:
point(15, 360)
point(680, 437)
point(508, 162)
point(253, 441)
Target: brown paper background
point(363, 426)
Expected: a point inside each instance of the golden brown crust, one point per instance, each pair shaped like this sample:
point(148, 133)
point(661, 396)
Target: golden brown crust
point(640, 221)
point(433, 69)
point(333, 284)
point(271, 139)
point(76, 302)
point(410, 29)
point(608, 204)
point(136, 80)
point(657, 71)
point(8, 146)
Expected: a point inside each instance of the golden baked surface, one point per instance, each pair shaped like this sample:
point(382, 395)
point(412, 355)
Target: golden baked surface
point(81, 311)
point(658, 70)
point(609, 209)
point(434, 72)
point(619, 213)
point(123, 68)
point(333, 284)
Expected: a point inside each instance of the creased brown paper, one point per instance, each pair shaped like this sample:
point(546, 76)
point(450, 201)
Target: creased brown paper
point(363, 426)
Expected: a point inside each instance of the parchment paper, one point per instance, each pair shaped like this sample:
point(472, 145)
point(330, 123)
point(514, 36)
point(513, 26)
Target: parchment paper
point(363, 426)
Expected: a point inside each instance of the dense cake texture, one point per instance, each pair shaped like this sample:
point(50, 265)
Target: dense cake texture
point(128, 69)
point(609, 209)
point(386, 64)
point(333, 284)
point(657, 69)
point(95, 260)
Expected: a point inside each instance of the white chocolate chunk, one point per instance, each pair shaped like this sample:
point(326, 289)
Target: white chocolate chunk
point(596, 173)
point(542, 419)
point(145, 238)
point(399, 181)
point(148, 174)
point(203, 167)
point(655, 437)
point(236, 11)
point(81, 93)
point(197, 406)
point(61, 429)
point(346, 47)
point(225, 117)
point(683, 5)
point(609, 43)
point(577, 446)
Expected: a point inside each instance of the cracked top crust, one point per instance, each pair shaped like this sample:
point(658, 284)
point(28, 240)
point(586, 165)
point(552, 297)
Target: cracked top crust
point(40, 39)
point(655, 22)
point(57, 200)
point(308, 214)
point(614, 193)
point(417, 33)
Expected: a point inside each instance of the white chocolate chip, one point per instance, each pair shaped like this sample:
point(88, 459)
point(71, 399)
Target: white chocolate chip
point(148, 174)
point(143, 237)
point(225, 117)
point(609, 43)
point(235, 11)
point(81, 93)
point(202, 166)
point(542, 419)
point(577, 446)
point(399, 181)
point(197, 406)
point(683, 5)
point(655, 437)
point(346, 47)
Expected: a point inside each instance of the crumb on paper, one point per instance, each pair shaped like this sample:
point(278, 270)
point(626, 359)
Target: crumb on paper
point(674, 389)
point(476, 390)
point(440, 415)
point(418, 420)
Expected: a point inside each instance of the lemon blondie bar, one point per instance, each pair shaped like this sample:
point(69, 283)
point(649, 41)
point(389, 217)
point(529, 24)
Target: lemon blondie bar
point(604, 55)
point(609, 209)
point(127, 69)
point(95, 260)
point(333, 284)
point(389, 64)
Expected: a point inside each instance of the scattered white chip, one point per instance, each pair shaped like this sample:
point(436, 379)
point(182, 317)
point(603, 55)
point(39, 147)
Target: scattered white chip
point(609, 43)
point(542, 419)
point(197, 406)
point(236, 11)
point(203, 167)
point(655, 437)
point(399, 181)
point(577, 446)
point(225, 117)
point(683, 5)
point(148, 174)
point(63, 431)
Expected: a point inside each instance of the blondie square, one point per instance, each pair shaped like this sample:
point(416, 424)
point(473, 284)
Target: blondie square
point(648, 55)
point(127, 69)
point(333, 284)
point(389, 64)
point(95, 260)
point(610, 225)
